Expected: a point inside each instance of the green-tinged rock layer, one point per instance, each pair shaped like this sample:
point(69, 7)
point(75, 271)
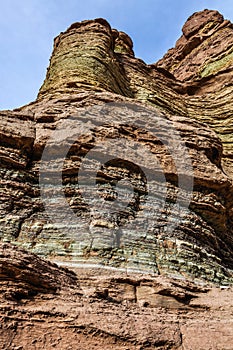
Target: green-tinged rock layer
point(191, 88)
point(84, 58)
point(194, 79)
point(202, 61)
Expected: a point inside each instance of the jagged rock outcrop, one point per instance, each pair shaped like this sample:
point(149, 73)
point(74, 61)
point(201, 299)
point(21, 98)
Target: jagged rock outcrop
point(199, 86)
point(202, 61)
point(93, 65)
point(24, 275)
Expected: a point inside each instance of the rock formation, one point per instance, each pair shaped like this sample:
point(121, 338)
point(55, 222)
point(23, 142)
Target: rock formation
point(157, 213)
point(43, 306)
point(92, 66)
point(202, 61)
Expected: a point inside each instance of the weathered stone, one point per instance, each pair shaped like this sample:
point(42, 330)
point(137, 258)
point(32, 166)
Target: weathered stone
point(83, 59)
point(24, 275)
point(43, 306)
point(93, 65)
point(202, 61)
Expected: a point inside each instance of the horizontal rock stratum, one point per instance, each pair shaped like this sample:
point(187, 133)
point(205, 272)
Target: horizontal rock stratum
point(97, 87)
point(44, 306)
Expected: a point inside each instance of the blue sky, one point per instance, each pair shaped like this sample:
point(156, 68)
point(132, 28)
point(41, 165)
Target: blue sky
point(27, 29)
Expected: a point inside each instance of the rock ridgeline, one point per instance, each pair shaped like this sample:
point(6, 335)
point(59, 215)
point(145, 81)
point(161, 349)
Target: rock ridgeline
point(202, 61)
point(191, 87)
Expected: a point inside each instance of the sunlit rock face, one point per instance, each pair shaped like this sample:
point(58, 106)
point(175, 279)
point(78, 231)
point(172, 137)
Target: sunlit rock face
point(45, 306)
point(202, 61)
point(125, 164)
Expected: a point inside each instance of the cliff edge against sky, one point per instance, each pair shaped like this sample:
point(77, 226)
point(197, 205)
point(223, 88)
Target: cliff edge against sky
point(157, 212)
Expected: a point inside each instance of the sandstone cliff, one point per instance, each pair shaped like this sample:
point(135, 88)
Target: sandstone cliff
point(93, 65)
point(163, 136)
point(43, 306)
point(202, 61)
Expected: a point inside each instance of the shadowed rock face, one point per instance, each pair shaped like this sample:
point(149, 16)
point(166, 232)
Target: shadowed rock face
point(93, 65)
point(24, 275)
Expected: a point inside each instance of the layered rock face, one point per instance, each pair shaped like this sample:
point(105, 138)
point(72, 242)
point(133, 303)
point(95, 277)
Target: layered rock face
point(95, 94)
point(202, 61)
point(44, 306)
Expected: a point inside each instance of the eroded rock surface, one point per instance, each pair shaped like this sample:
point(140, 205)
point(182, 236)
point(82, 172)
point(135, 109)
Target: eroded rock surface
point(93, 65)
point(98, 309)
point(202, 61)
